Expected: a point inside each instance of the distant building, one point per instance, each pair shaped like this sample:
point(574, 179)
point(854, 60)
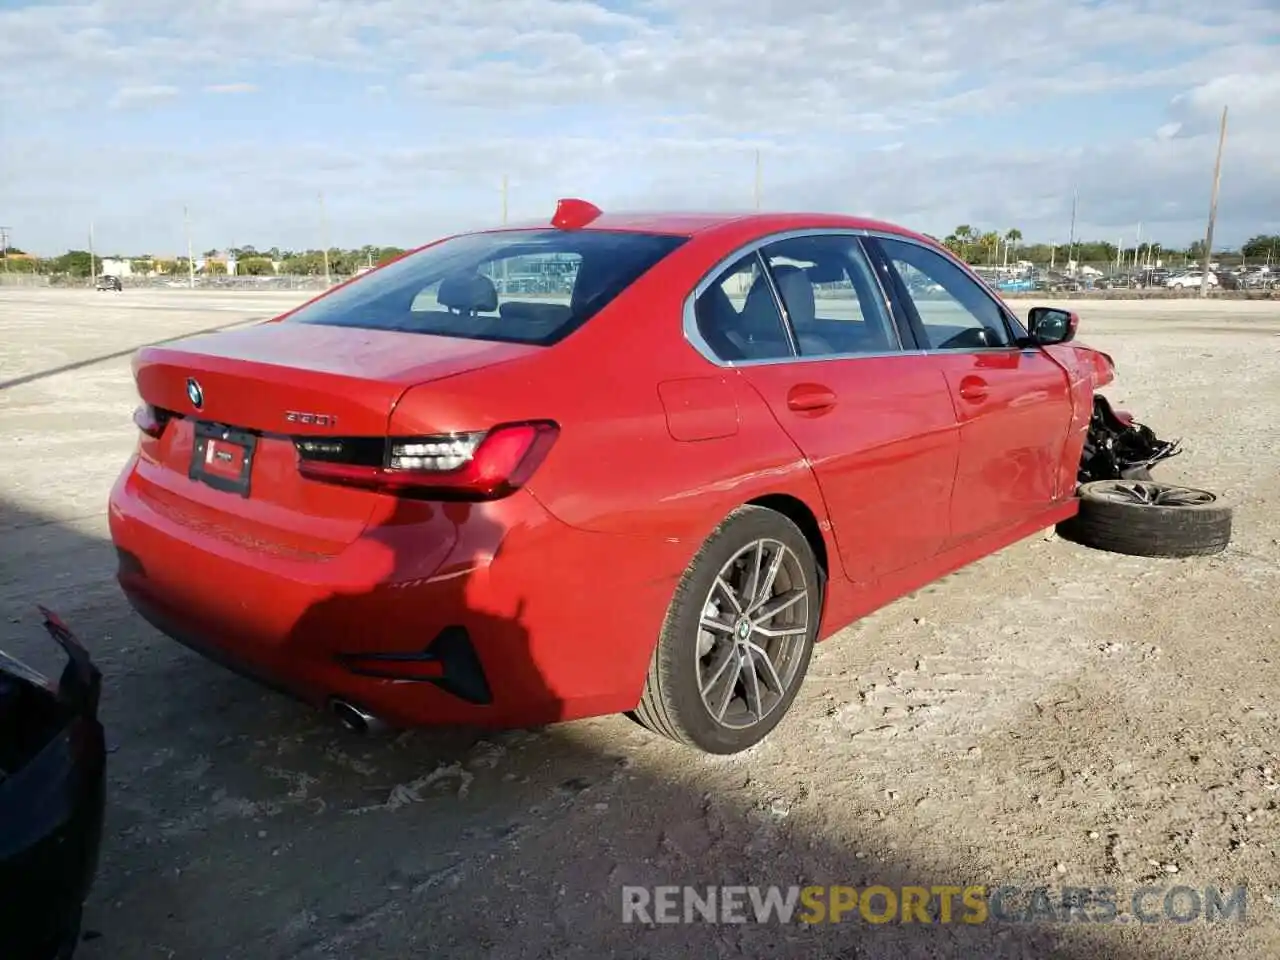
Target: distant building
point(227, 260)
point(116, 268)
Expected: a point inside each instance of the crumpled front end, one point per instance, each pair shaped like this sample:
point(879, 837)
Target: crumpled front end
point(1118, 447)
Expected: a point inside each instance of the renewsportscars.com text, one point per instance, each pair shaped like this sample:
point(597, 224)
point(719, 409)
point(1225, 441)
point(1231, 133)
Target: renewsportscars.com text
point(938, 904)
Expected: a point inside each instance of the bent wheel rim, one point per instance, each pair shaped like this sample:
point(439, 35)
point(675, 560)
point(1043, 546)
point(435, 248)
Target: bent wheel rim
point(752, 634)
point(1147, 494)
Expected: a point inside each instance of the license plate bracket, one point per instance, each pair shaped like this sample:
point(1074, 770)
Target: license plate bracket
point(222, 457)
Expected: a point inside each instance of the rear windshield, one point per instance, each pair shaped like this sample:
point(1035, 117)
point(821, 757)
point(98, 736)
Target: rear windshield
point(522, 286)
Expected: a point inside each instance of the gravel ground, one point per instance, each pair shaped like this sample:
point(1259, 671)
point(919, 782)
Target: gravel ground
point(1049, 716)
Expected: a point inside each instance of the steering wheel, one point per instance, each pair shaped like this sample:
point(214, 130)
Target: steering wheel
point(973, 338)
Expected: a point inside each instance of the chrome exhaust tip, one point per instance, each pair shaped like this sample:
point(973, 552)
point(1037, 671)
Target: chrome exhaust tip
point(355, 719)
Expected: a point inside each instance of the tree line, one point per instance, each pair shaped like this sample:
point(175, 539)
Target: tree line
point(977, 248)
point(992, 248)
point(248, 262)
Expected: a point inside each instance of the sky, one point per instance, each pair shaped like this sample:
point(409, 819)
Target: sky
point(405, 115)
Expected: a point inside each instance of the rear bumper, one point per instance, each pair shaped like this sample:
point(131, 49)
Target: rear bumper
point(557, 623)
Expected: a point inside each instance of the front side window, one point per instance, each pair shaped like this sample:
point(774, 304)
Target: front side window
point(955, 312)
point(832, 297)
point(522, 286)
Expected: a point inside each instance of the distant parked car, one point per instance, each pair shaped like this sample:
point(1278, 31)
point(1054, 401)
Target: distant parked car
point(1190, 279)
point(1015, 284)
point(1112, 281)
point(108, 282)
point(1058, 282)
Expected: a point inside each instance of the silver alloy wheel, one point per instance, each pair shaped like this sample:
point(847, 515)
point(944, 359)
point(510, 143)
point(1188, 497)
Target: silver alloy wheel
point(1149, 494)
point(752, 634)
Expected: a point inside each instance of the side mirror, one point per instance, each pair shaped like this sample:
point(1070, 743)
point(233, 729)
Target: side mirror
point(1050, 325)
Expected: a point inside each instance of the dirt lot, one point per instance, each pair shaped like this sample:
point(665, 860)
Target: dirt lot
point(1050, 716)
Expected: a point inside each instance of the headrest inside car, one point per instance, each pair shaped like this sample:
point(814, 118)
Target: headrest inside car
point(826, 271)
point(468, 293)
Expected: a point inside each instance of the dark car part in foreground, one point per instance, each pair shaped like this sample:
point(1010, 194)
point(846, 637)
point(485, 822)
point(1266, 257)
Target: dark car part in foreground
point(1124, 510)
point(52, 794)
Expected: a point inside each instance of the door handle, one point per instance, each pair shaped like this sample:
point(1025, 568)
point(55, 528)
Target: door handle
point(973, 388)
point(810, 398)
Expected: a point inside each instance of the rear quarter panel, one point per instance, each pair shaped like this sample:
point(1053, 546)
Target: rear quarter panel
point(656, 442)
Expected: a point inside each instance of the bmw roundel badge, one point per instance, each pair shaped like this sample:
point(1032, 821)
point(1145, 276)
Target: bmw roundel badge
point(194, 393)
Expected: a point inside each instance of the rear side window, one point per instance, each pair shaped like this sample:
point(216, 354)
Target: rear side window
point(523, 286)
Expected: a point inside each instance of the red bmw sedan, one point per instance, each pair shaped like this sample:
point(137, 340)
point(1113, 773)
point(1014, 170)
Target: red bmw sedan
point(603, 464)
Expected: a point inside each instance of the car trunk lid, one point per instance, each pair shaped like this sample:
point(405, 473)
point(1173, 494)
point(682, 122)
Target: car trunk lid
point(232, 405)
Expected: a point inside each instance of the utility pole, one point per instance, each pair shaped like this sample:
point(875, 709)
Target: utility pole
point(4, 246)
point(1071, 249)
point(1213, 206)
point(191, 260)
point(506, 261)
point(93, 260)
point(324, 240)
point(759, 180)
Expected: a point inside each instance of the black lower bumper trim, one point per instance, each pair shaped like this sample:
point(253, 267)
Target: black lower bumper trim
point(460, 670)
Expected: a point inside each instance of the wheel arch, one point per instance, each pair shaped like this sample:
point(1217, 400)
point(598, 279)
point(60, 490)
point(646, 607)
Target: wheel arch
point(803, 516)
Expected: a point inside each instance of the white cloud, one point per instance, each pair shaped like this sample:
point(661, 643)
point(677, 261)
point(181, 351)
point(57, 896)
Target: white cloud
point(885, 106)
point(137, 96)
point(231, 88)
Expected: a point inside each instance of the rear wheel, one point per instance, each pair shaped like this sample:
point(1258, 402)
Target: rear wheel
point(1147, 519)
point(738, 636)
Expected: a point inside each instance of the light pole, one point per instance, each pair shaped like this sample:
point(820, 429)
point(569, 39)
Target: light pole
point(324, 240)
point(1213, 206)
point(1071, 249)
point(191, 261)
point(759, 189)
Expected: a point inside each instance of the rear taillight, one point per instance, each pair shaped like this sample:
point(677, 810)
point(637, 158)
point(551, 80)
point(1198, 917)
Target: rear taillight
point(151, 420)
point(462, 466)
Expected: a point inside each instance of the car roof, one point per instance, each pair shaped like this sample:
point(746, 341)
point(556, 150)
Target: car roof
point(691, 223)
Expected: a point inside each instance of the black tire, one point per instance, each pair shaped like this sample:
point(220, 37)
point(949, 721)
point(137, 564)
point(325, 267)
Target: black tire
point(672, 703)
point(1172, 522)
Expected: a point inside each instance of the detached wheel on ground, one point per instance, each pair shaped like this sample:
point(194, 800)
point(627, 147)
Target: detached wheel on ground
point(738, 635)
point(1143, 518)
